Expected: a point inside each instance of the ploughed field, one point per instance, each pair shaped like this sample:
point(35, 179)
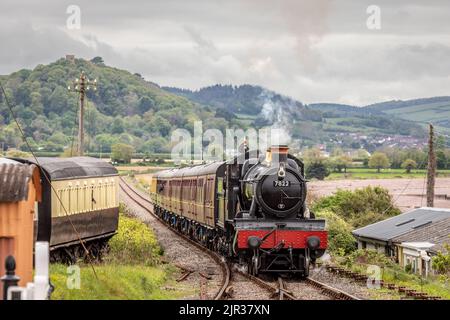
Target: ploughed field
point(407, 193)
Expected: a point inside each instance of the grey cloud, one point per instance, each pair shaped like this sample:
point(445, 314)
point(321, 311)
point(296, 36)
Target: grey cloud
point(311, 50)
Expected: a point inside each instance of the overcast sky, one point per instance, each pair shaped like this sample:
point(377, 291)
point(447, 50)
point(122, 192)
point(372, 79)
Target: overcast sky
point(314, 51)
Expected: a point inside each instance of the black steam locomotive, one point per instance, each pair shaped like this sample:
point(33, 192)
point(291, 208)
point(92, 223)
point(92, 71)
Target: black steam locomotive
point(251, 208)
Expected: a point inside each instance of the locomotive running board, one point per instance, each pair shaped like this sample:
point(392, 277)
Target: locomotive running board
point(295, 224)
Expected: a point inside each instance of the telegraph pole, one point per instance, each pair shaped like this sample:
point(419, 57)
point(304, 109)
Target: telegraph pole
point(81, 85)
point(431, 173)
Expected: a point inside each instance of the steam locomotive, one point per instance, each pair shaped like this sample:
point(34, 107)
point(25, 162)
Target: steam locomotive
point(251, 208)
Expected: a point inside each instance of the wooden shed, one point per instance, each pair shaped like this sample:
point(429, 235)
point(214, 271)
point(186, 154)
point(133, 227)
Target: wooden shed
point(20, 188)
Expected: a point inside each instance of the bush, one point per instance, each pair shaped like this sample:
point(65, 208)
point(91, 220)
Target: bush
point(18, 154)
point(317, 170)
point(408, 165)
point(134, 243)
point(360, 207)
point(340, 239)
point(441, 262)
point(369, 257)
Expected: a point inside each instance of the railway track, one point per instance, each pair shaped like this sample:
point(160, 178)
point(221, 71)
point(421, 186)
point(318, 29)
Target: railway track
point(332, 292)
point(274, 290)
point(147, 205)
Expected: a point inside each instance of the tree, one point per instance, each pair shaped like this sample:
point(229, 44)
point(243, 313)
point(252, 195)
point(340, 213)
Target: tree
point(155, 145)
point(363, 154)
point(145, 104)
point(97, 61)
point(313, 155)
point(58, 101)
point(121, 152)
point(379, 161)
point(408, 165)
point(105, 141)
point(317, 170)
point(117, 126)
point(359, 207)
point(316, 165)
point(341, 162)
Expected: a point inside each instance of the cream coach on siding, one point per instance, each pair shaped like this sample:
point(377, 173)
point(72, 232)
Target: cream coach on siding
point(82, 202)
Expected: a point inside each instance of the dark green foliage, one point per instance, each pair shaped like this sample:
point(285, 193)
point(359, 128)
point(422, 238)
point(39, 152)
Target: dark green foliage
point(121, 153)
point(317, 170)
point(441, 262)
point(360, 207)
point(125, 108)
point(97, 60)
point(340, 239)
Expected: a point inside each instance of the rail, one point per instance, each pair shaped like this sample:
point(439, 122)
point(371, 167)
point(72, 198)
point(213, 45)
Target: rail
point(226, 274)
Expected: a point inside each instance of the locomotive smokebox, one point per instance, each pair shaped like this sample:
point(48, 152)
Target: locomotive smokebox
point(274, 186)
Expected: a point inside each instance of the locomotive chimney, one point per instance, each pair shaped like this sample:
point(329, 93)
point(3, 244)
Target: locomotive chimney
point(268, 155)
point(279, 153)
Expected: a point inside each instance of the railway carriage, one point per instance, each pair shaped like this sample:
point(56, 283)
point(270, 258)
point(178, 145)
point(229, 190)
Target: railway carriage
point(251, 208)
point(82, 202)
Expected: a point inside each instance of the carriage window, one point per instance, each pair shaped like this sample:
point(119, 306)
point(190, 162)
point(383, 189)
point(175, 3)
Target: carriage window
point(219, 185)
point(207, 191)
point(61, 195)
point(200, 190)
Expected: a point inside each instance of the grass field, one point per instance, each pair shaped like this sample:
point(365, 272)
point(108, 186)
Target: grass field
point(131, 270)
point(115, 282)
point(365, 173)
point(428, 112)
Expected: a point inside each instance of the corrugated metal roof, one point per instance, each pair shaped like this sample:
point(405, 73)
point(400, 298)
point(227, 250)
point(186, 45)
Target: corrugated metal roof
point(14, 178)
point(76, 167)
point(437, 232)
point(393, 227)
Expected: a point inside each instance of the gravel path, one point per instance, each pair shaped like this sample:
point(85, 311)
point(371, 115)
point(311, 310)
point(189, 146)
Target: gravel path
point(303, 291)
point(245, 289)
point(180, 253)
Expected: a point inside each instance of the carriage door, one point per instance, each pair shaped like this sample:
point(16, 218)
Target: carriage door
point(221, 202)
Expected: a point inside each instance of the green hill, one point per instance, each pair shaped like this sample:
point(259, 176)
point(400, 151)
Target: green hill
point(125, 108)
point(310, 124)
point(128, 109)
point(435, 110)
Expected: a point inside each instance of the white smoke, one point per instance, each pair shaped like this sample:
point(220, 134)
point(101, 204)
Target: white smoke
point(278, 111)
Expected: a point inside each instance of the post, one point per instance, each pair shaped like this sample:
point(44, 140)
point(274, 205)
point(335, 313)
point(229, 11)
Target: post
point(431, 172)
point(9, 279)
point(82, 85)
point(41, 277)
point(80, 150)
